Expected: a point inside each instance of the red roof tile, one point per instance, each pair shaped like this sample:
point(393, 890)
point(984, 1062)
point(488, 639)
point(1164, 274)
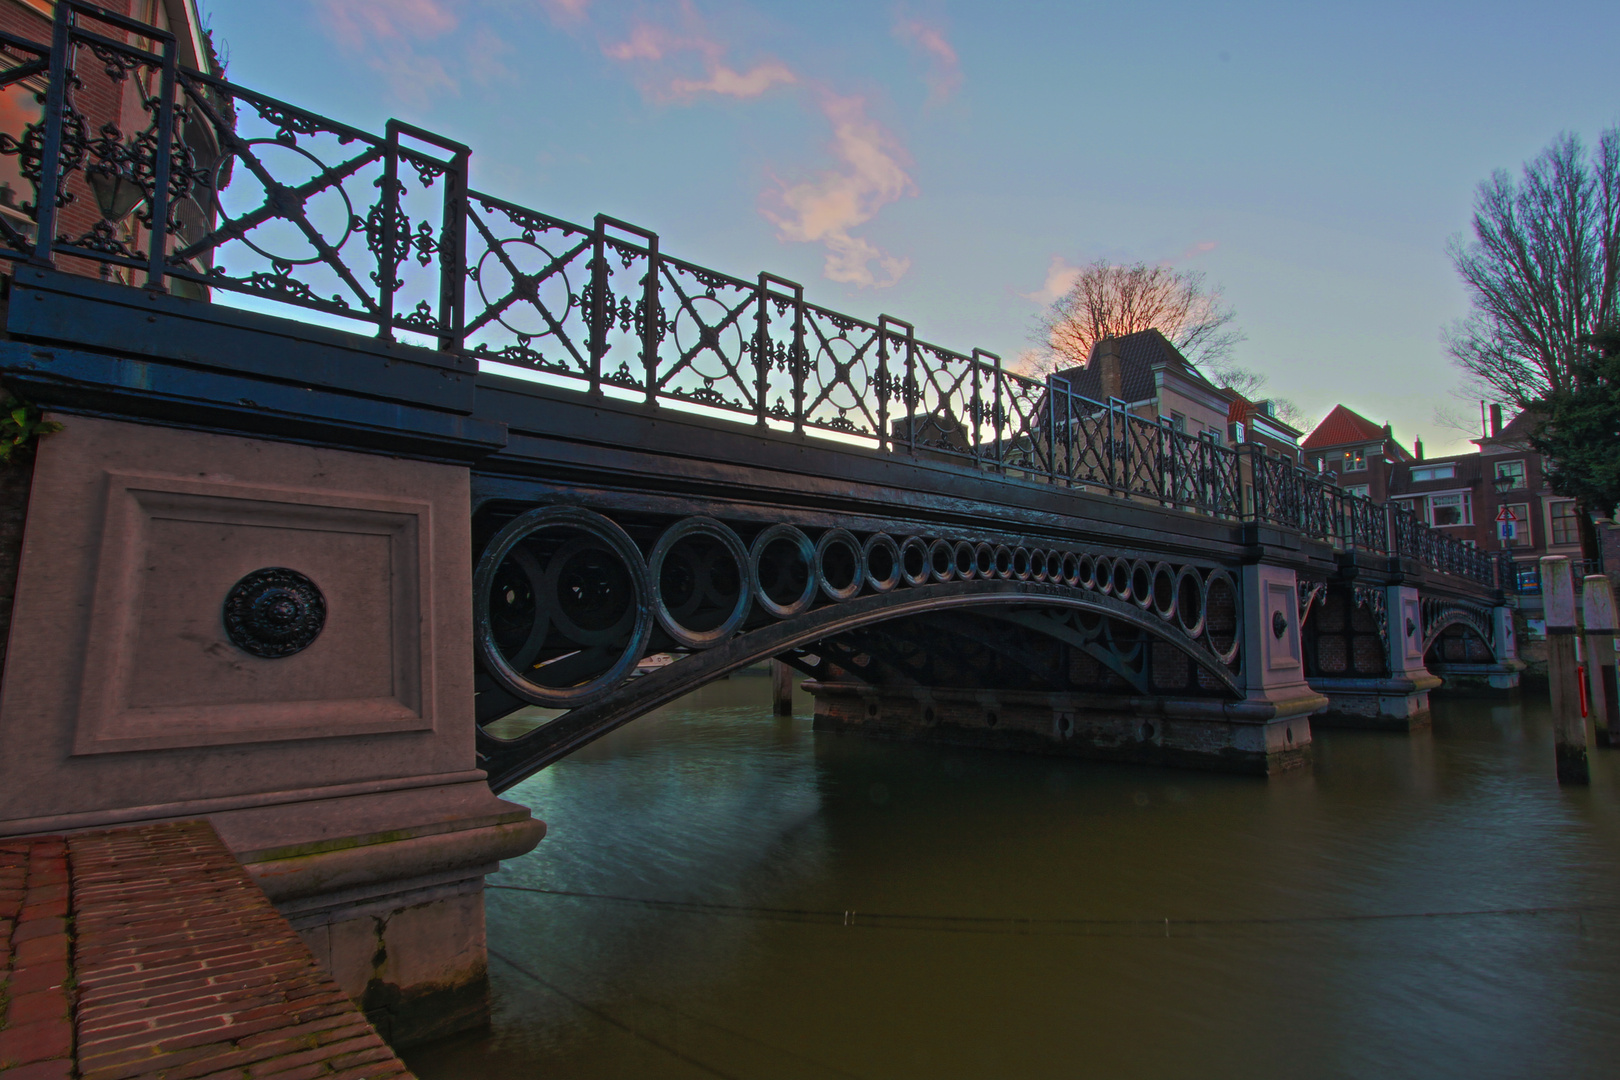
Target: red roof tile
point(1343, 426)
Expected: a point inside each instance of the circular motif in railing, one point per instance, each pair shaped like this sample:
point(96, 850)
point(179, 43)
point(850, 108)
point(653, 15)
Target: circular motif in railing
point(526, 271)
point(699, 571)
point(327, 213)
point(274, 612)
point(783, 562)
point(561, 605)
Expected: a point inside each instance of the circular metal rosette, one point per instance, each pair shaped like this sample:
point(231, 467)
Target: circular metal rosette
point(783, 562)
point(702, 591)
point(562, 606)
point(914, 561)
point(840, 565)
point(274, 612)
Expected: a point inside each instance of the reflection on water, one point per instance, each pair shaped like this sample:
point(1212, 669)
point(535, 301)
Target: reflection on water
point(1414, 906)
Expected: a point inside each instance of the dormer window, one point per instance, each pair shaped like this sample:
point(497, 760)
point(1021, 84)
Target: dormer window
point(1434, 472)
point(1355, 460)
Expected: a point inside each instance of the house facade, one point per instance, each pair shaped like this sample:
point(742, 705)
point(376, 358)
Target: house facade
point(1360, 454)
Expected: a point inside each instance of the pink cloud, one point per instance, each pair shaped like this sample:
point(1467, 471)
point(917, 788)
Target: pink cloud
point(823, 210)
point(1199, 249)
point(723, 80)
point(1060, 278)
point(944, 75)
point(567, 11)
point(385, 33)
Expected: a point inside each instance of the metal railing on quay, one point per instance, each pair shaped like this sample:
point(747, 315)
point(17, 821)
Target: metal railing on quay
point(224, 190)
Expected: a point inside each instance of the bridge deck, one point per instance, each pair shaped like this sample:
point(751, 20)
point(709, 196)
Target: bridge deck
point(148, 952)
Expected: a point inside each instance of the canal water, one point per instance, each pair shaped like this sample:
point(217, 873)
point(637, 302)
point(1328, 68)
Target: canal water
point(727, 894)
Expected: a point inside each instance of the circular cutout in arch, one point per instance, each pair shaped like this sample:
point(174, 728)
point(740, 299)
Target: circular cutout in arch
point(1105, 575)
point(1069, 570)
point(882, 557)
point(1087, 572)
point(1004, 561)
point(840, 565)
point(1037, 564)
point(963, 562)
point(1164, 591)
point(702, 592)
point(1223, 620)
point(914, 560)
point(562, 606)
point(1020, 564)
point(1190, 601)
point(1142, 584)
point(783, 563)
point(941, 561)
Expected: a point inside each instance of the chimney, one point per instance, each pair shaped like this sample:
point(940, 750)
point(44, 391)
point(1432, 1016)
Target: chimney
point(1417, 448)
point(1106, 358)
point(1496, 421)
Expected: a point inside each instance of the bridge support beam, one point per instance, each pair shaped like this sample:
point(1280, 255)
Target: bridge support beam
point(274, 637)
point(1400, 701)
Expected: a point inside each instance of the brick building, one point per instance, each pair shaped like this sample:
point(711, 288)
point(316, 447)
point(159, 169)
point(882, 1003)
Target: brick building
point(105, 101)
point(1361, 454)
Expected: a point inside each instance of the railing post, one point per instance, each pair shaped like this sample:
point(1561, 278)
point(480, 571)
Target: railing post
point(651, 330)
point(159, 249)
point(974, 407)
point(599, 303)
point(911, 396)
point(762, 353)
point(50, 164)
point(453, 255)
point(886, 379)
point(388, 261)
point(995, 418)
point(799, 361)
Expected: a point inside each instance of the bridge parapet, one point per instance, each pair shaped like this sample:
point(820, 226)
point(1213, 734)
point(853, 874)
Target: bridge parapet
point(227, 192)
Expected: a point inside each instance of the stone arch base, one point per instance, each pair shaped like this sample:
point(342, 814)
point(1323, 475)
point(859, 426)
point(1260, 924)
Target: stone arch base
point(1259, 738)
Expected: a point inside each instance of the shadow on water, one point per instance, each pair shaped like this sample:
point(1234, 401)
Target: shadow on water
point(724, 893)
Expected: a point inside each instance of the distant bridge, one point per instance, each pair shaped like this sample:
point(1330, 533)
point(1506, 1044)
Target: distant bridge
point(445, 470)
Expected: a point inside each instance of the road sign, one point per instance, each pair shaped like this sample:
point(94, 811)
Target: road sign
point(1506, 514)
point(1507, 528)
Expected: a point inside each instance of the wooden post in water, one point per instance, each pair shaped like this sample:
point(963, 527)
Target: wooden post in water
point(1597, 603)
point(1569, 726)
point(781, 688)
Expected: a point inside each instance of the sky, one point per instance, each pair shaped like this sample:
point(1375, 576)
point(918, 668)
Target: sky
point(952, 163)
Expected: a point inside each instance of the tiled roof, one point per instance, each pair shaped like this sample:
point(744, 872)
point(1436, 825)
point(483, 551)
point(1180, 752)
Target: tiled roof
point(1343, 426)
point(1138, 353)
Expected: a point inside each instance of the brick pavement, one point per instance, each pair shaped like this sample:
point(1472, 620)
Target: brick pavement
point(148, 953)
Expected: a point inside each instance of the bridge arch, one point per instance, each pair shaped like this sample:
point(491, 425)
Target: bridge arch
point(566, 605)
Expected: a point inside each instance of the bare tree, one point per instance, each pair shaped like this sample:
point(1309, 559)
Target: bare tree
point(1112, 300)
point(1542, 269)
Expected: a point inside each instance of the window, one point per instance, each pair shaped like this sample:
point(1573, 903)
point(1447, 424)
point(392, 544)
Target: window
point(1455, 509)
point(1521, 513)
point(1434, 472)
point(1355, 460)
point(1510, 470)
point(1565, 528)
point(1359, 490)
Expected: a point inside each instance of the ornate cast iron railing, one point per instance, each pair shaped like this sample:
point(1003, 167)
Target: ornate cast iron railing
point(151, 173)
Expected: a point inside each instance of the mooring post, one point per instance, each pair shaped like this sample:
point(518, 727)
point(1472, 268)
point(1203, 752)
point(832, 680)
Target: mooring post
point(1597, 604)
point(781, 688)
point(1569, 726)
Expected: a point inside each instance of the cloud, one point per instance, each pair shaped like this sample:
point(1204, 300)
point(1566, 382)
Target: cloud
point(823, 210)
point(723, 80)
point(944, 76)
point(384, 34)
point(651, 44)
point(1060, 278)
point(567, 11)
point(1199, 248)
